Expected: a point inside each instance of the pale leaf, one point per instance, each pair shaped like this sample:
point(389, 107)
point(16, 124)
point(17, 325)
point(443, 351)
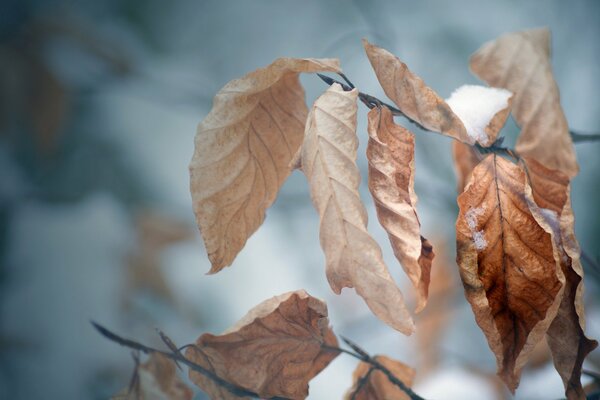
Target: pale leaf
point(508, 264)
point(242, 153)
point(391, 156)
point(465, 159)
point(353, 257)
point(275, 350)
point(520, 62)
point(416, 100)
point(375, 385)
point(156, 379)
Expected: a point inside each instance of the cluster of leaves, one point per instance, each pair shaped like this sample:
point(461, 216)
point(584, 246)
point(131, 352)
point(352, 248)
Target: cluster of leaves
point(516, 248)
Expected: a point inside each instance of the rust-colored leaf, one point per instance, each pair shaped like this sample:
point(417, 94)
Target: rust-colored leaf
point(353, 257)
point(156, 379)
point(520, 62)
point(566, 337)
point(275, 350)
point(242, 153)
point(466, 159)
point(508, 265)
point(391, 155)
point(371, 384)
point(415, 99)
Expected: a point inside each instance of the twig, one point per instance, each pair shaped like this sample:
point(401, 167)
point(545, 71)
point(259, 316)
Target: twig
point(584, 137)
point(592, 374)
point(361, 383)
point(365, 357)
point(177, 356)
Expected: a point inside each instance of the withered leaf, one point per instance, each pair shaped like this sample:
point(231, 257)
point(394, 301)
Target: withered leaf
point(353, 257)
point(510, 271)
point(566, 337)
point(391, 156)
point(465, 159)
point(416, 100)
point(520, 62)
point(275, 350)
point(156, 379)
point(242, 153)
point(374, 385)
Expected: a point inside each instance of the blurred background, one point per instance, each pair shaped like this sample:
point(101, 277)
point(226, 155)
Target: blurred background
point(99, 104)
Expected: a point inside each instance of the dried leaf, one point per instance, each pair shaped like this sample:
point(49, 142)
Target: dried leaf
point(353, 257)
point(275, 350)
point(508, 264)
point(466, 159)
point(416, 100)
point(374, 385)
point(566, 337)
point(242, 153)
point(157, 379)
point(520, 62)
point(391, 153)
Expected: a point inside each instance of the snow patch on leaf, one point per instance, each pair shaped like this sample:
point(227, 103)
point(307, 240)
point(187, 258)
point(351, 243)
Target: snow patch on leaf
point(471, 219)
point(476, 106)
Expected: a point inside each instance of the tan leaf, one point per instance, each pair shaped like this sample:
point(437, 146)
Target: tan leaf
point(416, 100)
point(374, 385)
point(353, 257)
point(520, 62)
point(566, 337)
point(508, 265)
point(242, 153)
point(157, 380)
point(466, 159)
point(391, 155)
point(275, 350)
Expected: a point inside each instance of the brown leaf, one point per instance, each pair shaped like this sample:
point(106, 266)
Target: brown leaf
point(508, 265)
point(353, 257)
point(391, 155)
point(157, 380)
point(242, 153)
point(520, 62)
point(466, 159)
point(416, 100)
point(566, 337)
point(374, 385)
point(275, 350)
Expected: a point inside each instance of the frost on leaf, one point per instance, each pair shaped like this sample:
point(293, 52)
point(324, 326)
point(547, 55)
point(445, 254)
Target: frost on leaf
point(483, 110)
point(371, 384)
point(243, 149)
point(415, 99)
point(520, 62)
point(274, 351)
point(513, 282)
point(353, 257)
point(156, 379)
point(391, 153)
point(566, 337)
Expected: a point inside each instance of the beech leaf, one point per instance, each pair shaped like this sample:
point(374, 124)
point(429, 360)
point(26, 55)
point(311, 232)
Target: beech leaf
point(243, 149)
point(416, 100)
point(520, 62)
point(566, 337)
point(274, 351)
point(156, 379)
point(465, 159)
point(508, 264)
point(374, 385)
point(391, 156)
point(353, 257)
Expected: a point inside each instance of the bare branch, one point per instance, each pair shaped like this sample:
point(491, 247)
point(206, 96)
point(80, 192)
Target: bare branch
point(584, 137)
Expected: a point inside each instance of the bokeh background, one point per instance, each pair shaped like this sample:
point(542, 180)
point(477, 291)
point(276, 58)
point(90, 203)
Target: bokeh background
point(99, 104)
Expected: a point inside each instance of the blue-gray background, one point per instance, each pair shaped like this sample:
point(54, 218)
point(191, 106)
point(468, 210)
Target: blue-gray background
point(98, 109)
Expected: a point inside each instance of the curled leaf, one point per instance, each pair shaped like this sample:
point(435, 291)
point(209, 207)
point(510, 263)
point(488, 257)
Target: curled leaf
point(520, 62)
point(243, 149)
point(353, 257)
point(371, 384)
point(415, 99)
point(508, 264)
point(466, 159)
point(391, 152)
point(156, 379)
point(275, 350)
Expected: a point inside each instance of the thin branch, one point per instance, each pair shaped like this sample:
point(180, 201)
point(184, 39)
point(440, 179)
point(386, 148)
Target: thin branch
point(584, 137)
point(177, 356)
